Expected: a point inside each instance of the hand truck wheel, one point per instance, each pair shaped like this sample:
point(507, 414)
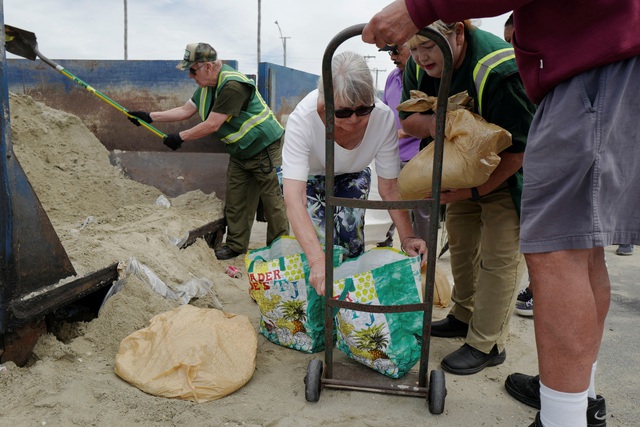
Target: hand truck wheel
point(437, 392)
point(313, 380)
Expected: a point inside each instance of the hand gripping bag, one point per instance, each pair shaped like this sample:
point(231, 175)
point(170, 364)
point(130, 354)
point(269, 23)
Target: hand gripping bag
point(291, 312)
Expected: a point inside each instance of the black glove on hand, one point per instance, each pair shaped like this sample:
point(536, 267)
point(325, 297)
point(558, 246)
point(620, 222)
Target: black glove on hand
point(173, 141)
point(140, 115)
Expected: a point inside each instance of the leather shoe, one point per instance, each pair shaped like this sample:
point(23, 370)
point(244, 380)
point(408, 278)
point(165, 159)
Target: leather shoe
point(226, 252)
point(449, 327)
point(467, 360)
point(524, 388)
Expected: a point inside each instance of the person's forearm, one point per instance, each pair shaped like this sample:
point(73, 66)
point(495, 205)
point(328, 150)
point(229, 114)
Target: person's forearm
point(418, 125)
point(173, 115)
point(304, 231)
point(509, 164)
point(198, 131)
point(388, 189)
point(402, 221)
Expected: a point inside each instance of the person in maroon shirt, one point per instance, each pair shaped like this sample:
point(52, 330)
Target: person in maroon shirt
point(579, 60)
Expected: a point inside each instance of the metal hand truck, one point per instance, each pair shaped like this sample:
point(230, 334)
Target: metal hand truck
point(355, 376)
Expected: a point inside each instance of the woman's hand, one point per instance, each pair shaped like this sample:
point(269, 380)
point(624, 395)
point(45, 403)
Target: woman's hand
point(414, 246)
point(317, 276)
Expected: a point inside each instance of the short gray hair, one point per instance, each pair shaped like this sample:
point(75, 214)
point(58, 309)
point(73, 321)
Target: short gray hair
point(352, 80)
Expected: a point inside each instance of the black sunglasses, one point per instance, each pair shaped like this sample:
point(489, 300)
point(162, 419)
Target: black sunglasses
point(393, 51)
point(348, 112)
point(193, 71)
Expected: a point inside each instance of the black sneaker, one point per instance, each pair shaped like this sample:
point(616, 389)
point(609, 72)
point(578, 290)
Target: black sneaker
point(624, 250)
point(525, 295)
point(525, 308)
point(597, 412)
point(526, 389)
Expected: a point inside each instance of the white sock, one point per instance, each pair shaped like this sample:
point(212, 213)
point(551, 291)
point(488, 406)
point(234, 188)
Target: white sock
point(591, 392)
point(558, 409)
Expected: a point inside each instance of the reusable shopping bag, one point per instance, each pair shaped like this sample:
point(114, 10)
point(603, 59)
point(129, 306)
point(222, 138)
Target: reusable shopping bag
point(190, 353)
point(470, 150)
point(292, 314)
point(389, 343)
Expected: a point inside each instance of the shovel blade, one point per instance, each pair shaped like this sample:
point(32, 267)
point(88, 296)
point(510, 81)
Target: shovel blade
point(20, 42)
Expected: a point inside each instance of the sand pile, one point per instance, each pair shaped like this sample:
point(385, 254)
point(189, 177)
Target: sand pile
point(102, 218)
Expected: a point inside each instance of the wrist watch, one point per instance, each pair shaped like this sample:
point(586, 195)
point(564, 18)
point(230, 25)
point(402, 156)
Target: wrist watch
point(475, 195)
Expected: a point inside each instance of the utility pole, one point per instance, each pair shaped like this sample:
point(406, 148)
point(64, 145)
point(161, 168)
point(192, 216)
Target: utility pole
point(259, 18)
point(125, 30)
point(377, 70)
point(284, 45)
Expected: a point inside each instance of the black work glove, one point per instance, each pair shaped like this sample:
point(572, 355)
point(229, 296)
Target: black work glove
point(173, 141)
point(140, 115)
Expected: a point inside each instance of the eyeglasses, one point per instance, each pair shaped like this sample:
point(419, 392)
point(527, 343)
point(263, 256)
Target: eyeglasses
point(345, 113)
point(193, 71)
point(394, 51)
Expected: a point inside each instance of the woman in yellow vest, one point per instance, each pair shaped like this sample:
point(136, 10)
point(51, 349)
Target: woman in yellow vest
point(482, 223)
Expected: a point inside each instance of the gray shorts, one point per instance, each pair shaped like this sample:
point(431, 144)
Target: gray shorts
point(582, 163)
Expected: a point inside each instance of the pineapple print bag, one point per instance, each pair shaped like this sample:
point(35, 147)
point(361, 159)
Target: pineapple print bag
point(386, 342)
point(291, 312)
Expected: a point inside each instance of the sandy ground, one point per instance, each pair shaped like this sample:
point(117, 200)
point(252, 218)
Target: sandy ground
point(71, 381)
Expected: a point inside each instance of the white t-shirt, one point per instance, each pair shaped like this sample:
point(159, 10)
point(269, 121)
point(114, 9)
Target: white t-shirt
point(303, 153)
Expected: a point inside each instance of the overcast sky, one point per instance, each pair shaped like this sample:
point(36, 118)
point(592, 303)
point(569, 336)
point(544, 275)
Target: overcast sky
point(160, 29)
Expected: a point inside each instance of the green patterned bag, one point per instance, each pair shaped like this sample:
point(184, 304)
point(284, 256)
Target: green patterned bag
point(291, 312)
point(386, 342)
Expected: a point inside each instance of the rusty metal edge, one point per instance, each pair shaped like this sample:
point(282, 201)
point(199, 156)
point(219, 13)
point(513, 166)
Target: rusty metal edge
point(36, 304)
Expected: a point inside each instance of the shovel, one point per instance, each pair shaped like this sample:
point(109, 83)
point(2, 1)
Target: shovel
point(23, 43)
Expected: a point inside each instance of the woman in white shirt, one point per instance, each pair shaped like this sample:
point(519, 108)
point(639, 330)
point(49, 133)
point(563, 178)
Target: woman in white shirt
point(364, 131)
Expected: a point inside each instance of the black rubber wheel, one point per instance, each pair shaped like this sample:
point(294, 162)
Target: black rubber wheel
point(437, 392)
point(313, 380)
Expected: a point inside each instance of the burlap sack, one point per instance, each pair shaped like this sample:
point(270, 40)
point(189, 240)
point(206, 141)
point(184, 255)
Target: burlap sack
point(442, 287)
point(190, 353)
point(470, 152)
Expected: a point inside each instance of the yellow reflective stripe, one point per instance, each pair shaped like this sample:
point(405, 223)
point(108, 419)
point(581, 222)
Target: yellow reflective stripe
point(246, 127)
point(253, 121)
point(483, 68)
point(202, 107)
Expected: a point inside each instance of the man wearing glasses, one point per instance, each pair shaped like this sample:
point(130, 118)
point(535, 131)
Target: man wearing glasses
point(408, 146)
point(232, 109)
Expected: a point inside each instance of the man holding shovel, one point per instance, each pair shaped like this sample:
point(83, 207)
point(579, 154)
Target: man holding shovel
point(232, 109)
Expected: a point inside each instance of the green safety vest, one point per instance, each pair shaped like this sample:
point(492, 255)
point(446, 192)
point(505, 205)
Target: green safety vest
point(253, 129)
point(494, 61)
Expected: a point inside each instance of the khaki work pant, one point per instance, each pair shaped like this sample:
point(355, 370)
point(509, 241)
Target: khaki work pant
point(487, 266)
point(247, 181)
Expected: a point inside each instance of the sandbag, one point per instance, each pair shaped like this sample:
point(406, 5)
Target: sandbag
point(190, 353)
point(389, 343)
point(470, 151)
point(292, 314)
point(441, 287)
